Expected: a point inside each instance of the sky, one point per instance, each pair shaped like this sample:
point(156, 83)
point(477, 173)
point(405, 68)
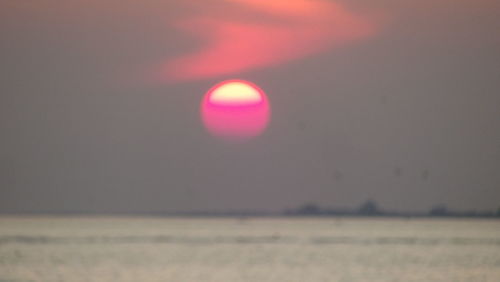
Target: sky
point(395, 101)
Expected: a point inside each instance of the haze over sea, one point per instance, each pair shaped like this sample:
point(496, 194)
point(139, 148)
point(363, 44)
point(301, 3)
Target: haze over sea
point(248, 249)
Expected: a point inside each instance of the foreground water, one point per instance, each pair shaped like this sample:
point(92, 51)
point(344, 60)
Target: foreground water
point(265, 249)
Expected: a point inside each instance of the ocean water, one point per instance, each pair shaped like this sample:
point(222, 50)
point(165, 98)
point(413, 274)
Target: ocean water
point(254, 249)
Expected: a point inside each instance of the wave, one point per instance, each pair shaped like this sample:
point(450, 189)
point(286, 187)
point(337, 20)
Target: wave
point(270, 239)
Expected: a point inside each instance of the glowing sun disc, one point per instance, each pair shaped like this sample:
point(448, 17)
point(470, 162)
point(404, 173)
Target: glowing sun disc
point(235, 109)
point(236, 93)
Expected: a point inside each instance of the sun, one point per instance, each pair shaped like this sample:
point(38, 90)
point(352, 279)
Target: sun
point(235, 93)
point(235, 110)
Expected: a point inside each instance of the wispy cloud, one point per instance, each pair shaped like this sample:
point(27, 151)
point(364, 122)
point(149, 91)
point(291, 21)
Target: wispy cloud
point(240, 35)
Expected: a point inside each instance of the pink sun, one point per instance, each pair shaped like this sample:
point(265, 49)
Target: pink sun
point(235, 110)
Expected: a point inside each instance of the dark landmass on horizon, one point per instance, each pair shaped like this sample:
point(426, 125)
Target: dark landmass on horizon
point(368, 208)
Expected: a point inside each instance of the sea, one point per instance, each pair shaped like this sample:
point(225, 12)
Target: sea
point(286, 249)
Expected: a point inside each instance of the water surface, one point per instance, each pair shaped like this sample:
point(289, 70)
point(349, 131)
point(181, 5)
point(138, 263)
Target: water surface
point(254, 249)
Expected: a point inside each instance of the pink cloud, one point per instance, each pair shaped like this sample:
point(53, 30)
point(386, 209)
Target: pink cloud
point(257, 34)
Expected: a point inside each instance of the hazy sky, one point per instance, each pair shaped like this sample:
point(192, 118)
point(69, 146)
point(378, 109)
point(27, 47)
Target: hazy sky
point(391, 100)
